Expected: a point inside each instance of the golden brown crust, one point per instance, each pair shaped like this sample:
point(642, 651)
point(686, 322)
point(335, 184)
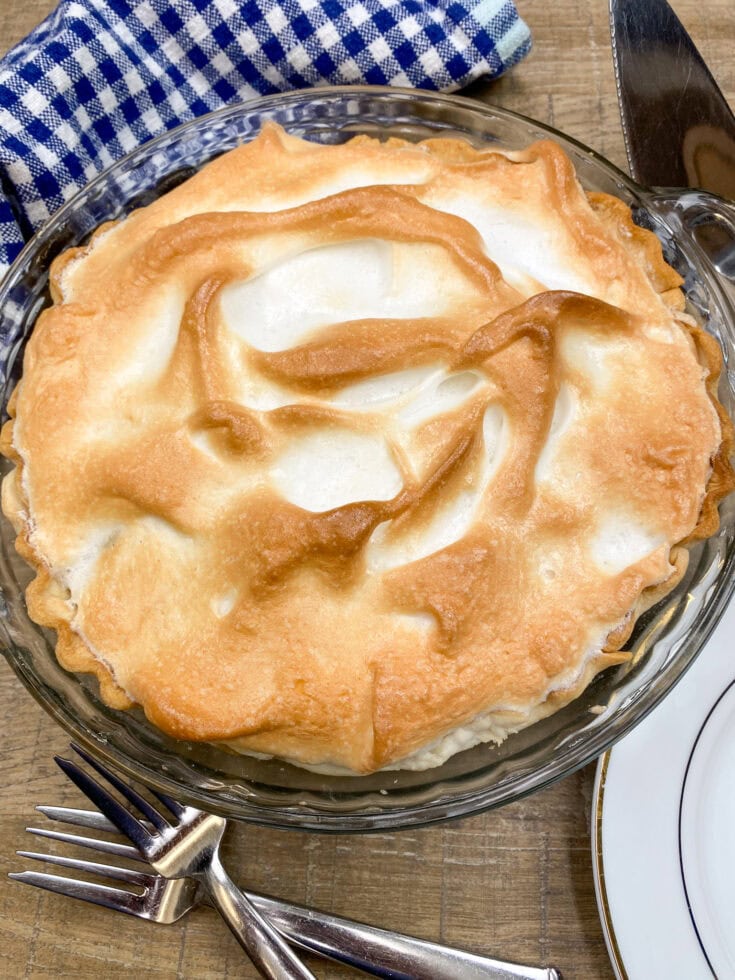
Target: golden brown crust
point(580, 432)
point(642, 244)
point(722, 478)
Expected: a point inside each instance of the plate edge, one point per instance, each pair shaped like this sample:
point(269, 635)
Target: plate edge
point(598, 869)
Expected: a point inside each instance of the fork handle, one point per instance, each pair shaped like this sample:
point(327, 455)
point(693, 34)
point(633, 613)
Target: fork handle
point(265, 947)
point(382, 953)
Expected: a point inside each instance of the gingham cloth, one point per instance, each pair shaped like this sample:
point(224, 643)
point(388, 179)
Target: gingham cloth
point(99, 77)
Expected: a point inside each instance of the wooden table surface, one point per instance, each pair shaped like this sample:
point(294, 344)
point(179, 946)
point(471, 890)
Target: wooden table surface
point(516, 882)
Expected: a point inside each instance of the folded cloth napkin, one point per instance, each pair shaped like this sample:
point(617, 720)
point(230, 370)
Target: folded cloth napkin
point(99, 77)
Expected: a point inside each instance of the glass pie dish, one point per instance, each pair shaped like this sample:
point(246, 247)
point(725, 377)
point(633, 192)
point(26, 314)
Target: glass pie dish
point(666, 639)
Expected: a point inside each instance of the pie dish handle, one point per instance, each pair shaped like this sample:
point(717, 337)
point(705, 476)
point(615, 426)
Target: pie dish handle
point(707, 219)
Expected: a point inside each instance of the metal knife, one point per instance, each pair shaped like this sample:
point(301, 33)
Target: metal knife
point(679, 130)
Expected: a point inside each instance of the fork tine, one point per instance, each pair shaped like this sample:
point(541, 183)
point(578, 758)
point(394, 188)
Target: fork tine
point(111, 898)
point(106, 846)
point(91, 819)
point(176, 808)
point(125, 822)
point(148, 811)
point(132, 877)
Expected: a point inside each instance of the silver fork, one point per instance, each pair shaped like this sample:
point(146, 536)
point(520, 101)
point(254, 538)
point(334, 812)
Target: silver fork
point(378, 952)
point(188, 847)
point(161, 900)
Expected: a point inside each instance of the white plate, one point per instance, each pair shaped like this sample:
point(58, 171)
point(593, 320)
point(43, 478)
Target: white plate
point(663, 829)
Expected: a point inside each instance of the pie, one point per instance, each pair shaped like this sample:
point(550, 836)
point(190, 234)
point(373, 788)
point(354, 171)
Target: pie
point(358, 455)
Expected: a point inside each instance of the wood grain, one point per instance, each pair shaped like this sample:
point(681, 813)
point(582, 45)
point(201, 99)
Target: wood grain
point(515, 882)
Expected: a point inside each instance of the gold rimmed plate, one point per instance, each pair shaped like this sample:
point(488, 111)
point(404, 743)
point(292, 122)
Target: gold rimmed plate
point(662, 829)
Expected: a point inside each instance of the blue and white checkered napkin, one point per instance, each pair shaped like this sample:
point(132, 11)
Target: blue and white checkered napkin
point(99, 77)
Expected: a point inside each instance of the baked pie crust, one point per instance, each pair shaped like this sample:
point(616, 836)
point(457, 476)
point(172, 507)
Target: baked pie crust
point(358, 455)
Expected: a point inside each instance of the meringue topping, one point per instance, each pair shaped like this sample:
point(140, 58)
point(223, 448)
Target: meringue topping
point(356, 455)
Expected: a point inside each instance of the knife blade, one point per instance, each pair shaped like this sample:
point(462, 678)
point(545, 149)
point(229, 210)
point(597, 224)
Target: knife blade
point(679, 130)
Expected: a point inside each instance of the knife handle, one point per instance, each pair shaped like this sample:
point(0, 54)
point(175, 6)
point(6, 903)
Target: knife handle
point(383, 953)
